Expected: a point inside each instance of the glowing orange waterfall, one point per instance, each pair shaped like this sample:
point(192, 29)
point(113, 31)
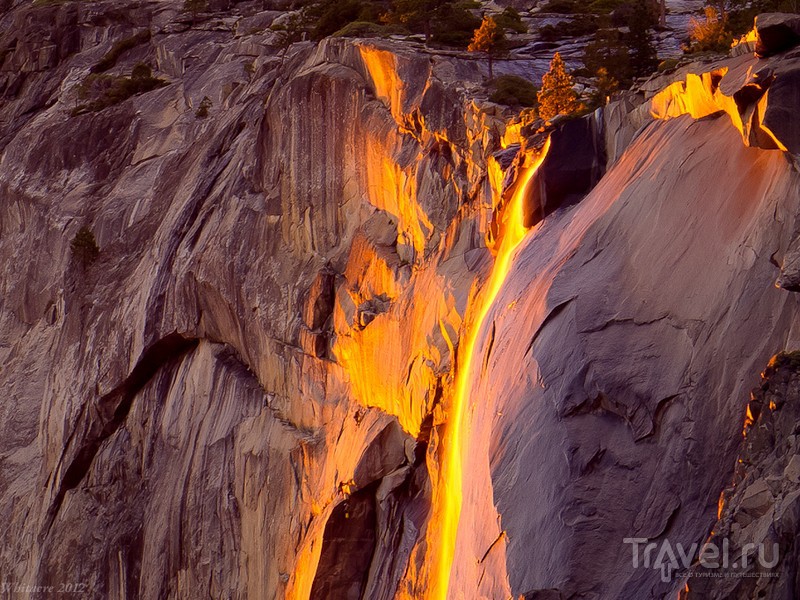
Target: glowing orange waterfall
point(451, 476)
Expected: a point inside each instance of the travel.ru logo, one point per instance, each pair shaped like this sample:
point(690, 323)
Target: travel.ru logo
point(670, 558)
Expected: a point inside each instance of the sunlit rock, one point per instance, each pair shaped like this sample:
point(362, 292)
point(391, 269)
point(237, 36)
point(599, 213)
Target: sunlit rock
point(354, 330)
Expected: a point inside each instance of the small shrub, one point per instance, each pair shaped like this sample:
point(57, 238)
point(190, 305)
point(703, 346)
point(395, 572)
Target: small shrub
point(84, 246)
point(668, 64)
point(711, 33)
point(118, 49)
point(605, 7)
point(605, 86)
point(562, 7)
point(141, 71)
point(330, 17)
point(195, 6)
point(360, 29)
point(513, 91)
point(511, 20)
point(455, 26)
point(202, 110)
point(577, 27)
point(102, 91)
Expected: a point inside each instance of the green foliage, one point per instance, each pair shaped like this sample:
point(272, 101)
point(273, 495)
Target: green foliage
point(447, 22)
point(510, 19)
point(416, 15)
point(605, 86)
point(585, 7)
point(326, 18)
point(102, 91)
point(605, 7)
point(454, 25)
point(293, 30)
point(644, 58)
point(141, 71)
point(668, 64)
point(579, 26)
point(564, 7)
point(84, 246)
point(557, 96)
point(609, 51)
point(118, 49)
point(741, 13)
point(360, 29)
point(624, 55)
point(195, 6)
point(202, 110)
point(513, 91)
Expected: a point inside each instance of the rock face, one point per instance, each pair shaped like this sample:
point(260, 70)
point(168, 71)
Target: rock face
point(574, 164)
point(776, 32)
point(246, 394)
point(587, 448)
point(758, 95)
point(197, 408)
point(762, 507)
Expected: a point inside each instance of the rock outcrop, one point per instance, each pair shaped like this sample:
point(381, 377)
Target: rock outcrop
point(776, 33)
point(192, 413)
point(760, 513)
point(246, 393)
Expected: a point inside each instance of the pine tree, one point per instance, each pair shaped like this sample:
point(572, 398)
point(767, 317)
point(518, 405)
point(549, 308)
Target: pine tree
point(84, 246)
point(489, 38)
point(557, 96)
point(195, 7)
point(418, 13)
point(644, 58)
point(609, 51)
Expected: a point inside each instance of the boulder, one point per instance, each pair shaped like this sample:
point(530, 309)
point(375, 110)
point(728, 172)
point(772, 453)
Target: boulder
point(776, 32)
point(782, 101)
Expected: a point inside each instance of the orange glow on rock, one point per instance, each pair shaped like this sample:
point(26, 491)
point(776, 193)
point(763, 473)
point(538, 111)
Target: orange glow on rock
point(697, 96)
point(449, 493)
point(751, 37)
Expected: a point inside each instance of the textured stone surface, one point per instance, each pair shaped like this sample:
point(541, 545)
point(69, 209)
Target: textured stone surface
point(573, 166)
point(780, 111)
point(761, 507)
point(266, 345)
point(776, 32)
point(609, 387)
point(180, 418)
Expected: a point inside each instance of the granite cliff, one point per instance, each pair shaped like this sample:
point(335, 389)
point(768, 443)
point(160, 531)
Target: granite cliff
point(249, 392)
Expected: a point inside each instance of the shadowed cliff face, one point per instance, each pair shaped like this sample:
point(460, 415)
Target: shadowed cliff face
point(758, 512)
point(247, 394)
